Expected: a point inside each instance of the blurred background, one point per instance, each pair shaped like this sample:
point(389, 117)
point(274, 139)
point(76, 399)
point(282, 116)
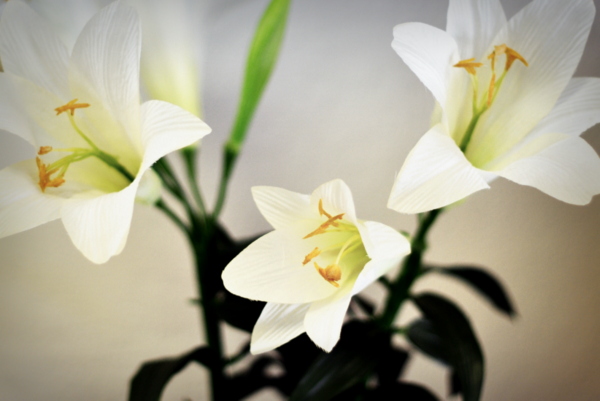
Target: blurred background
point(340, 104)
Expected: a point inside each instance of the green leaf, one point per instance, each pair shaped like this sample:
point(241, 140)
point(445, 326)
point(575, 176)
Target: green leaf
point(422, 333)
point(352, 360)
point(401, 391)
point(151, 379)
point(457, 345)
point(484, 283)
point(261, 60)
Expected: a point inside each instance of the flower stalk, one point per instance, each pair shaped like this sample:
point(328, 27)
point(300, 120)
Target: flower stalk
point(399, 289)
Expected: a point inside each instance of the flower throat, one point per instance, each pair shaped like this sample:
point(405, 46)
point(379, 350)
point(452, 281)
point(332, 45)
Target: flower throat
point(492, 89)
point(333, 272)
point(52, 175)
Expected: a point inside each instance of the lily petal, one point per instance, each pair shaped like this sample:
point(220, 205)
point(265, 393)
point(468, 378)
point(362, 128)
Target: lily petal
point(336, 197)
point(324, 319)
point(568, 170)
point(22, 204)
point(105, 65)
point(385, 246)
point(551, 36)
point(435, 174)
point(280, 207)
point(12, 118)
point(577, 109)
point(277, 324)
point(430, 53)
point(99, 226)
point(270, 269)
point(474, 24)
point(166, 128)
point(30, 49)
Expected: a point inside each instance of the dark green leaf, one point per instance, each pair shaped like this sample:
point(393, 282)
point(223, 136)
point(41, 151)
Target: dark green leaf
point(296, 357)
point(352, 360)
point(455, 387)
point(390, 367)
point(261, 60)
point(484, 283)
point(401, 392)
point(251, 379)
point(150, 381)
point(458, 342)
point(424, 336)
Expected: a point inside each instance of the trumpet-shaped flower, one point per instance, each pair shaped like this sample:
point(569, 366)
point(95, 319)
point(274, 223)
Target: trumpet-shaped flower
point(506, 103)
point(94, 141)
point(308, 269)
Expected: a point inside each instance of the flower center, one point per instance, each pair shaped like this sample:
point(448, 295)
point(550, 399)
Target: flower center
point(334, 224)
point(52, 175)
point(480, 105)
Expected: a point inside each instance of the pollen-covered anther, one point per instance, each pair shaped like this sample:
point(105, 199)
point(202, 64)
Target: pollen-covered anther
point(332, 273)
point(313, 254)
point(70, 107)
point(470, 65)
point(44, 150)
point(45, 176)
point(323, 227)
point(511, 56)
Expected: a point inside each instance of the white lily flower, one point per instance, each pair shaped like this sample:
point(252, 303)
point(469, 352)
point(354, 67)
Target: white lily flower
point(506, 103)
point(318, 257)
point(82, 113)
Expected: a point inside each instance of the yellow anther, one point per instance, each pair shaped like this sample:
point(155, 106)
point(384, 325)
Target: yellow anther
point(331, 273)
point(70, 107)
point(323, 227)
point(322, 211)
point(44, 150)
point(511, 56)
point(470, 65)
point(313, 254)
point(44, 174)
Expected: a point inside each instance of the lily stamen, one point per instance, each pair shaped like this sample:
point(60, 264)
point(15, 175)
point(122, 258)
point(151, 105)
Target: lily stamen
point(470, 65)
point(313, 254)
point(70, 107)
point(331, 221)
point(332, 273)
point(44, 150)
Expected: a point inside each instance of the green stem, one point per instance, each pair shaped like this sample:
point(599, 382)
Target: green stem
point(160, 204)
point(400, 288)
point(201, 241)
point(229, 158)
point(469, 133)
point(112, 162)
point(190, 157)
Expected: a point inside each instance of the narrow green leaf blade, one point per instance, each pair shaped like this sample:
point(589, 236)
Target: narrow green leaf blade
point(261, 60)
point(401, 391)
point(459, 343)
point(423, 334)
point(151, 379)
point(485, 284)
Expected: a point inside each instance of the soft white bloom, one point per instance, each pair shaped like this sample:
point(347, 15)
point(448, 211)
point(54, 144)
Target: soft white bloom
point(83, 116)
point(506, 103)
point(171, 45)
point(317, 258)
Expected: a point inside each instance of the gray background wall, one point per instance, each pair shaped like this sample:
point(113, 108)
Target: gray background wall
point(341, 104)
